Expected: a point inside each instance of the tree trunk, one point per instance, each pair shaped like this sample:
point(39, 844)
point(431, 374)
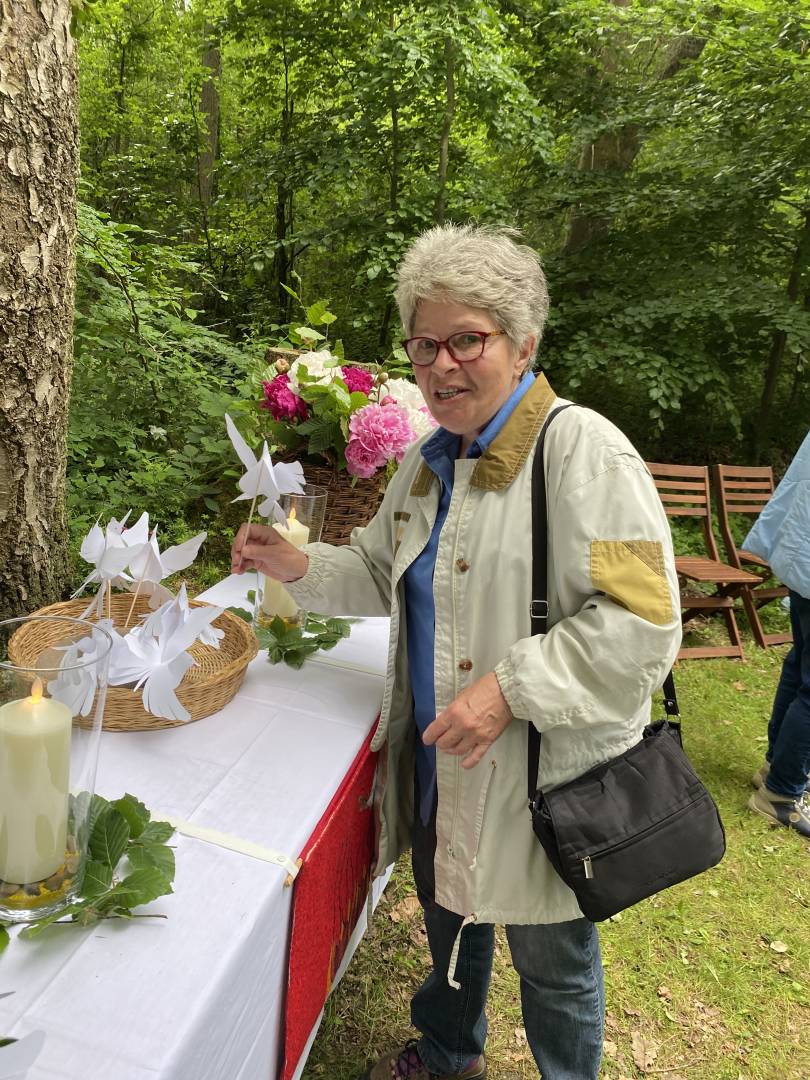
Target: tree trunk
point(444, 142)
point(283, 256)
point(39, 151)
point(801, 256)
point(617, 150)
point(209, 108)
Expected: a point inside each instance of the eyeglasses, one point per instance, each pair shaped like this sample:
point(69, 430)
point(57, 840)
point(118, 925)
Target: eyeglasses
point(464, 346)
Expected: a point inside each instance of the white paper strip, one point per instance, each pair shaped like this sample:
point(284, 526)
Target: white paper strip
point(17, 1058)
point(233, 843)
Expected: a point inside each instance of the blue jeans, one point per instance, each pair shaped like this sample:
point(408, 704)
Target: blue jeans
point(561, 986)
point(789, 728)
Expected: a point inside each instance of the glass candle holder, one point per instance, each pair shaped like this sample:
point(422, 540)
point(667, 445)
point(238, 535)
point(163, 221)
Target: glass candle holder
point(53, 684)
point(305, 515)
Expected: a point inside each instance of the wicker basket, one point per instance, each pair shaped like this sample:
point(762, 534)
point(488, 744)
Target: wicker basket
point(205, 688)
point(346, 506)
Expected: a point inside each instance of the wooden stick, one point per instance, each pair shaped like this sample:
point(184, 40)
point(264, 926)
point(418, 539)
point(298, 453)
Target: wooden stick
point(109, 599)
point(134, 598)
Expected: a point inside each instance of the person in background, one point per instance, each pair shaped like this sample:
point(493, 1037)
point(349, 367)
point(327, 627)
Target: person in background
point(781, 536)
point(449, 557)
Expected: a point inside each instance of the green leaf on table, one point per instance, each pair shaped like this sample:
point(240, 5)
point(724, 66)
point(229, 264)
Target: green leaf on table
point(4, 938)
point(145, 856)
point(242, 613)
point(156, 832)
point(140, 887)
point(293, 645)
point(108, 839)
point(134, 811)
point(35, 929)
point(98, 806)
point(97, 879)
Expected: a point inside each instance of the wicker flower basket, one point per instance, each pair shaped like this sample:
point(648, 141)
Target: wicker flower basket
point(205, 688)
point(346, 506)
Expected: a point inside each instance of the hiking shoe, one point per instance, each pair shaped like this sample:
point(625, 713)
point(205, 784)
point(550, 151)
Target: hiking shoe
point(406, 1064)
point(782, 810)
point(761, 775)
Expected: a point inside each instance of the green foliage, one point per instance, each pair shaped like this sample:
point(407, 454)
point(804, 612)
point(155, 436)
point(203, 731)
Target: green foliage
point(293, 644)
point(121, 830)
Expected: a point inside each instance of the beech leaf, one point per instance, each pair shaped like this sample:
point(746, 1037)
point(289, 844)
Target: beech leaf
point(97, 879)
point(140, 887)
point(144, 856)
point(108, 839)
point(157, 832)
point(135, 812)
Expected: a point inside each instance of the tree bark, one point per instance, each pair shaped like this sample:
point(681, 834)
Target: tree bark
point(39, 150)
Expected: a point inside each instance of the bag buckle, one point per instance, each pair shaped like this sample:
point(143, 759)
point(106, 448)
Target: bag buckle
point(538, 609)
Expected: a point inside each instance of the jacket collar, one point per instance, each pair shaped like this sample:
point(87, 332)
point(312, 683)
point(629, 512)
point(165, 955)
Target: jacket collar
point(507, 453)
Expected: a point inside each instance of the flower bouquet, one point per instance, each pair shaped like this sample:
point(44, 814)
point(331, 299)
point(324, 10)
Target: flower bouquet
point(355, 421)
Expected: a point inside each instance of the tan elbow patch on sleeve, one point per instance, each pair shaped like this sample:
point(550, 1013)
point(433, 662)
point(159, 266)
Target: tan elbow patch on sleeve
point(631, 572)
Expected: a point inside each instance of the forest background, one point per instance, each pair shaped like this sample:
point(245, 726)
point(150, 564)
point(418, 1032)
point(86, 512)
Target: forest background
point(234, 152)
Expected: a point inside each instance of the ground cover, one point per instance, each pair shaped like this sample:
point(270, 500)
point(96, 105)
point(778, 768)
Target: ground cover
point(708, 981)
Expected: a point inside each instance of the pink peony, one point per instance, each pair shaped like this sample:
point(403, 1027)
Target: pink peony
point(357, 379)
point(281, 401)
point(378, 434)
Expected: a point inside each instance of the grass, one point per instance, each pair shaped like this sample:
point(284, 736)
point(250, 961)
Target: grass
point(709, 980)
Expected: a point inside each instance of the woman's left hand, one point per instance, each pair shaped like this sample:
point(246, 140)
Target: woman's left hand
point(471, 722)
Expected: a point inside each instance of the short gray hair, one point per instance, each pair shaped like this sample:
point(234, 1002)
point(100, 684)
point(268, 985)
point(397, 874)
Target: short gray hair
point(480, 266)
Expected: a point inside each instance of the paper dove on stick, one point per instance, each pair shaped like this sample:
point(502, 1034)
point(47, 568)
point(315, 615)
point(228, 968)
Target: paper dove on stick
point(263, 478)
point(151, 565)
point(110, 551)
point(156, 659)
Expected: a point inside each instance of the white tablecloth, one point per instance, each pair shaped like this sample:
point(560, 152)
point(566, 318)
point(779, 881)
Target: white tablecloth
point(198, 996)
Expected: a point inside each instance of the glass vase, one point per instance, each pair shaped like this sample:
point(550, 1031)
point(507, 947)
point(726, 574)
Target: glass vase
point(305, 516)
point(53, 684)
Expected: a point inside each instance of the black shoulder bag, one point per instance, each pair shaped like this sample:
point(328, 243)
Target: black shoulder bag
point(635, 824)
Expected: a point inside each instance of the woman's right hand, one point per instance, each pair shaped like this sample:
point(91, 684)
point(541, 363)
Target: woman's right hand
point(258, 547)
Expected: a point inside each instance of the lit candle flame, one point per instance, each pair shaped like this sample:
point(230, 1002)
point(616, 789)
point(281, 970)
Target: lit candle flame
point(292, 515)
point(36, 691)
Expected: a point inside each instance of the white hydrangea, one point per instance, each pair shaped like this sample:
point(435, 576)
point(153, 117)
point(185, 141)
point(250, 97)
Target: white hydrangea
point(320, 364)
point(409, 397)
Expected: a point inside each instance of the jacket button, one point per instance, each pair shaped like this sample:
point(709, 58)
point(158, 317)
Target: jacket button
point(462, 565)
point(465, 665)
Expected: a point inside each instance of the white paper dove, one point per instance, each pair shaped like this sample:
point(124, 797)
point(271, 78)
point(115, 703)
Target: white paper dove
point(76, 683)
point(110, 551)
point(151, 565)
point(153, 656)
point(263, 478)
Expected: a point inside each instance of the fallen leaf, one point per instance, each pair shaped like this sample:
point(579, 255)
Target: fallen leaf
point(784, 967)
point(779, 946)
point(739, 686)
point(664, 992)
point(631, 1012)
point(611, 1048)
point(645, 1051)
point(520, 1035)
point(405, 909)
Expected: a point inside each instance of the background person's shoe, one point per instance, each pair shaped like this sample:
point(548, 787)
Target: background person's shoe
point(782, 810)
point(761, 775)
point(406, 1064)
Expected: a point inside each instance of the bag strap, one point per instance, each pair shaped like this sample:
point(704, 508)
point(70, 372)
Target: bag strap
point(538, 610)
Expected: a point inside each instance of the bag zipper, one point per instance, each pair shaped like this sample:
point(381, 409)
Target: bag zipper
point(587, 865)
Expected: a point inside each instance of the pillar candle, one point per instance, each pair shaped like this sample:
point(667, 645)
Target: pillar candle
point(34, 783)
point(275, 598)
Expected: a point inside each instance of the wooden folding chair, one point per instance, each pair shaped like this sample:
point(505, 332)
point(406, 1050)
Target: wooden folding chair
point(684, 492)
point(745, 490)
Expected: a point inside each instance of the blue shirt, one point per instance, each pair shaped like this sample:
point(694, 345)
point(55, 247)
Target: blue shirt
point(781, 533)
point(440, 453)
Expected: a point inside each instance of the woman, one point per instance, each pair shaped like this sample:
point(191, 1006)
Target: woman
point(449, 557)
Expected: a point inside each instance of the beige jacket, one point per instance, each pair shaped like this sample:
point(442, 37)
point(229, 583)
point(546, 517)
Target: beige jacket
point(586, 685)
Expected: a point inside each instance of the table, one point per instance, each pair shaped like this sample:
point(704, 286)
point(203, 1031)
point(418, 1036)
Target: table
point(200, 994)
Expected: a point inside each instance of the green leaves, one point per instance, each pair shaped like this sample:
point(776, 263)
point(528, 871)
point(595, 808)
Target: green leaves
point(3, 938)
point(293, 645)
point(121, 832)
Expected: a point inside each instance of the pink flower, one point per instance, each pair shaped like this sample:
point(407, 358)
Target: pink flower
point(281, 401)
point(378, 433)
point(357, 379)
